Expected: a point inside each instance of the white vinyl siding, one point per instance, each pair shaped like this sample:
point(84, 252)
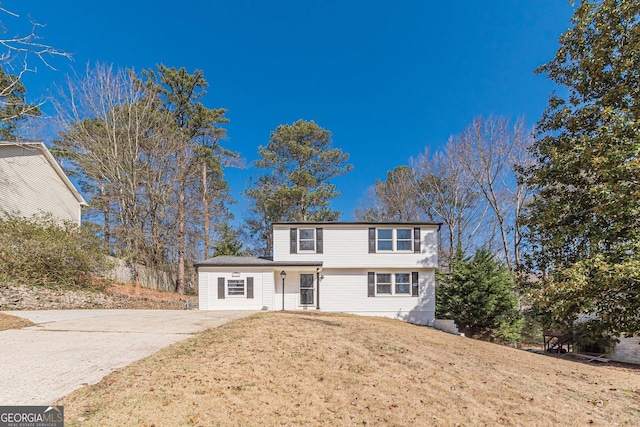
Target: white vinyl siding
point(347, 265)
point(346, 246)
point(208, 288)
point(345, 290)
point(203, 291)
point(30, 185)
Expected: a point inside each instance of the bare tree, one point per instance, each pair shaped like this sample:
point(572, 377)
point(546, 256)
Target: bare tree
point(394, 199)
point(446, 193)
point(121, 146)
point(18, 48)
point(15, 58)
point(488, 149)
point(471, 187)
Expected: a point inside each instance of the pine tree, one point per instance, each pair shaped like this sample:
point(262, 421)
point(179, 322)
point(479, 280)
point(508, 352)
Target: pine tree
point(13, 106)
point(478, 293)
point(298, 163)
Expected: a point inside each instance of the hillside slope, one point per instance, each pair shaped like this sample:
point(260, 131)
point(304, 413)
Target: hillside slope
point(311, 369)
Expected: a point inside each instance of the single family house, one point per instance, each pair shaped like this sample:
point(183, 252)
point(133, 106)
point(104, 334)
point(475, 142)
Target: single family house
point(32, 182)
point(373, 269)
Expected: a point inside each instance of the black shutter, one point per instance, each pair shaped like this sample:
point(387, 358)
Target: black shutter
point(319, 240)
point(416, 240)
point(414, 284)
point(293, 241)
point(250, 287)
point(371, 281)
point(220, 287)
point(372, 240)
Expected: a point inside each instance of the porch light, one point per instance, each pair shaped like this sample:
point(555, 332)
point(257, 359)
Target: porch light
point(283, 274)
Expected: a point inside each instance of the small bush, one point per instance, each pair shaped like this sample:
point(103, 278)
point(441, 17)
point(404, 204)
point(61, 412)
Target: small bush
point(44, 251)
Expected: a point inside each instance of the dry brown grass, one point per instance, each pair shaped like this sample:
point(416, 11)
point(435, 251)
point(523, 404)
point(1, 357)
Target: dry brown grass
point(322, 369)
point(138, 291)
point(12, 322)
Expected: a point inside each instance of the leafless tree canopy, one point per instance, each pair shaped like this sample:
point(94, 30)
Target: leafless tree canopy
point(471, 186)
point(141, 174)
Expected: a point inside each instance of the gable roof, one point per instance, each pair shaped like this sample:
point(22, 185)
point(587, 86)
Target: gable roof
point(251, 261)
point(39, 145)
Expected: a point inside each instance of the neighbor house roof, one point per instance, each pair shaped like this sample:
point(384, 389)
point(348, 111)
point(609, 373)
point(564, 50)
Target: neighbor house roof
point(250, 261)
point(38, 145)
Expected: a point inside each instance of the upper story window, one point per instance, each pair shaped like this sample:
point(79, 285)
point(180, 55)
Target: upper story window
point(404, 241)
point(307, 240)
point(385, 240)
point(394, 240)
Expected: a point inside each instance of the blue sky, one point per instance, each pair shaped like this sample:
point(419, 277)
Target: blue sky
point(388, 79)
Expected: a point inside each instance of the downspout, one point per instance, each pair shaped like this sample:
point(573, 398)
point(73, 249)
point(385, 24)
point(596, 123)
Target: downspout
point(318, 288)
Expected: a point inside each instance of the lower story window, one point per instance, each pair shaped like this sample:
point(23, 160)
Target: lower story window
point(383, 283)
point(235, 287)
point(403, 283)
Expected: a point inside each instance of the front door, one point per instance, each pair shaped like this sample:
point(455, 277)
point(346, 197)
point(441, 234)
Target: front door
point(306, 289)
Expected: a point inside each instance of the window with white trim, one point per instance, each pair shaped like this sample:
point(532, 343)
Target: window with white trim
point(404, 239)
point(383, 283)
point(394, 240)
point(385, 239)
point(393, 283)
point(307, 239)
point(402, 283)
point(235, 287)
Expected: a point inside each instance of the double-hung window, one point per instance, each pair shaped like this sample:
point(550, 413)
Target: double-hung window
point(402, 283)
point(394, 240)
point(307, 239)
point(404, 240)
point(385, 239)
point(383, 283)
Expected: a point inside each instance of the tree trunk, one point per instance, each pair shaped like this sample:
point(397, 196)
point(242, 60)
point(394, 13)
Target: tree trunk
point(107, 224)
point(181, 242)
point(205, 211)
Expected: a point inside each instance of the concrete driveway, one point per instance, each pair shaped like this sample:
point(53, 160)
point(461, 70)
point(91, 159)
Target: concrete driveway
point(70, 348)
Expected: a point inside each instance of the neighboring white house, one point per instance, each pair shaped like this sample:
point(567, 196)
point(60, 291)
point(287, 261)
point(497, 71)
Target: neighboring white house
point(32, 182)
point(374, 269)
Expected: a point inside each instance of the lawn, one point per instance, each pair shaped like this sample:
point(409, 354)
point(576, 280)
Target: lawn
point(330, 369)
point(12, 322)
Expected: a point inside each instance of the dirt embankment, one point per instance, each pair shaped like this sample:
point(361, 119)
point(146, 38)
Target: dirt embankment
point(115, 296)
